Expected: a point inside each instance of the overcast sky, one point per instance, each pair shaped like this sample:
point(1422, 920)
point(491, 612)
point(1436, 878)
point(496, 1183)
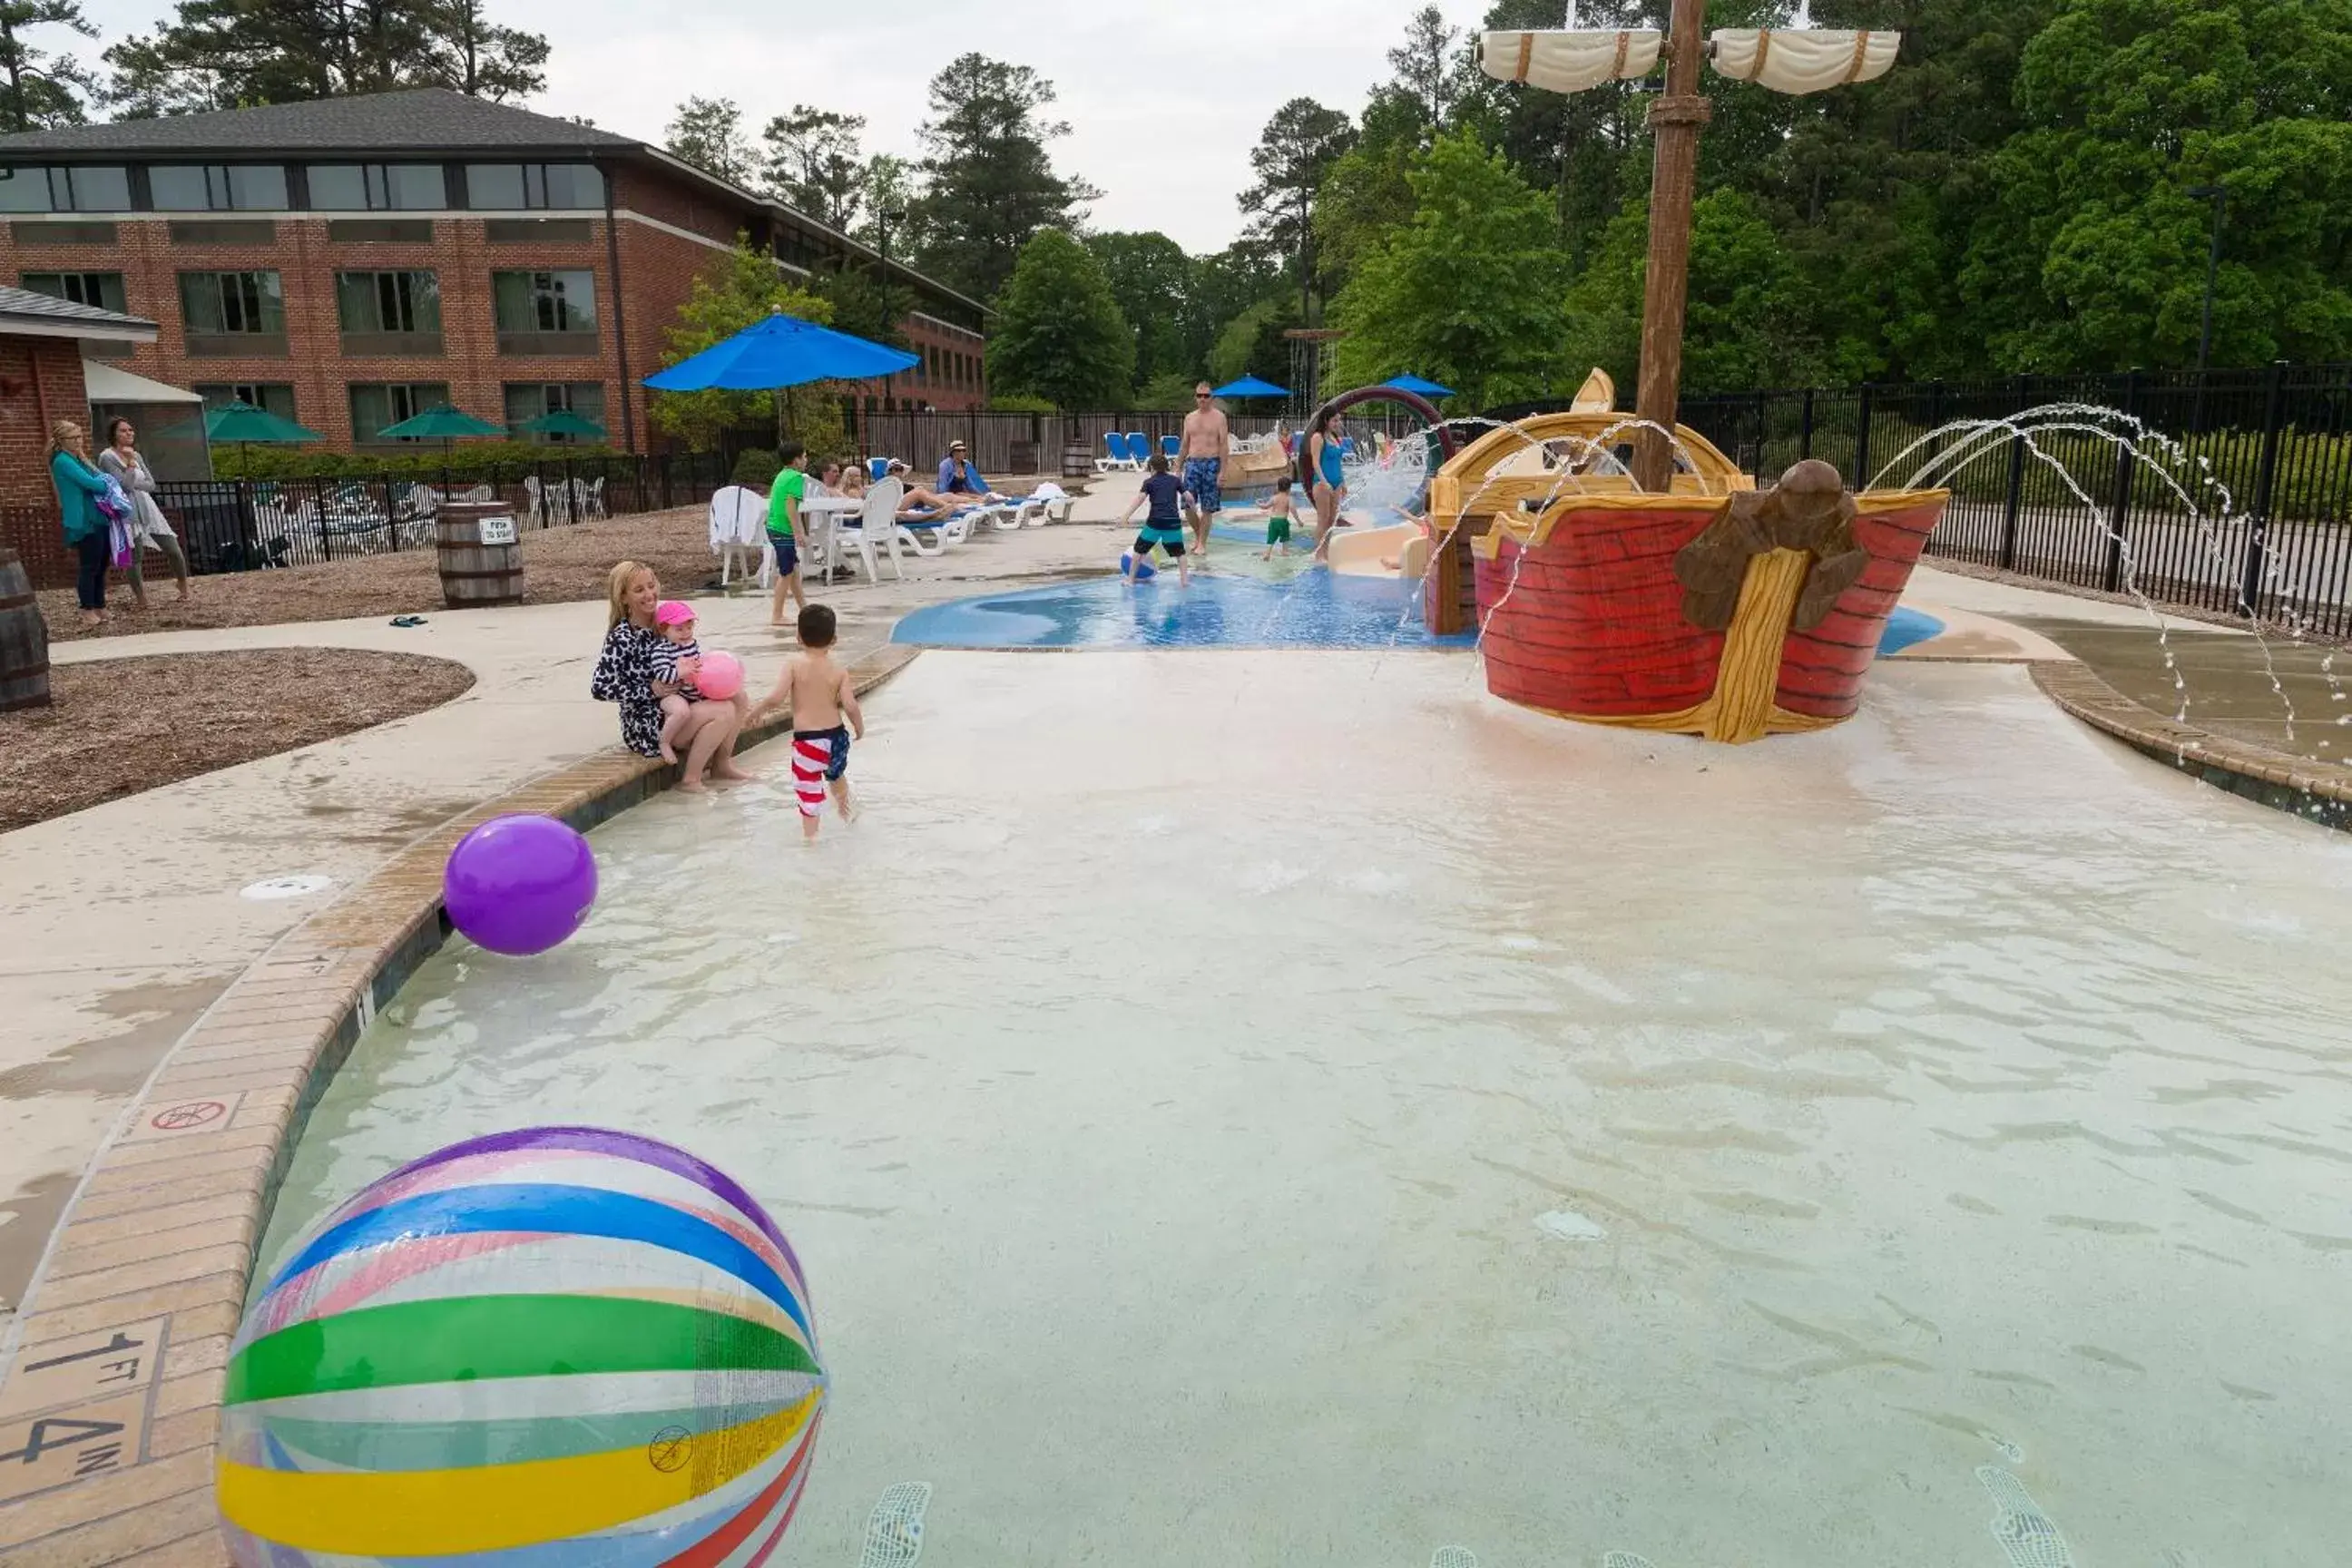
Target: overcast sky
point(1164, 101)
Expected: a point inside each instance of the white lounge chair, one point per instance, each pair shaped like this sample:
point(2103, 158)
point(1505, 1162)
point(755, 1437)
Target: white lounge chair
point(739, 527)
point(874, 528)
point(588, 498)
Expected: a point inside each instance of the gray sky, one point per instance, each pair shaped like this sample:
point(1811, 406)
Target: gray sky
point(1164, 101)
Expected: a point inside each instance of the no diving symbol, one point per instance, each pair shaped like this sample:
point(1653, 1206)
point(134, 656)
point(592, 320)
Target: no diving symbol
point(181, 1118)
point(669, 1449)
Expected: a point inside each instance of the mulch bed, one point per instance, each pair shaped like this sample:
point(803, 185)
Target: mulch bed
point(120, 726)
point(560, 565)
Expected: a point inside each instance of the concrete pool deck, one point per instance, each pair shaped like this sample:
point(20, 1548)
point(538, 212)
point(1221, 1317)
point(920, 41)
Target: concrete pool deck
point(130, 930)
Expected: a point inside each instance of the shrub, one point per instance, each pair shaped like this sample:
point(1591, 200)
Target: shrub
point(757, 467)
point(465, 460)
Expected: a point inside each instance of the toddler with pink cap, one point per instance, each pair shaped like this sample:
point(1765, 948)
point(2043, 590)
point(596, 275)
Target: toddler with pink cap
point(677, 662)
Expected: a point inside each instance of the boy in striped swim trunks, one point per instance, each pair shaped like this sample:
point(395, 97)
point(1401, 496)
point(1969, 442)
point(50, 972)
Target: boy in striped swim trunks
point(823, 704)
point(1163, 526)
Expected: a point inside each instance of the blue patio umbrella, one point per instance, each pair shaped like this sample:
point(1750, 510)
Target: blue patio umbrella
point(1251, 386)
point(1418, 386)
point(782, 351)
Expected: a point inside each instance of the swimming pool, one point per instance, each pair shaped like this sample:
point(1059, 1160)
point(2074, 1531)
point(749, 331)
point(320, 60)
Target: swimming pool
point(1244, 602)
point(1299, 1110)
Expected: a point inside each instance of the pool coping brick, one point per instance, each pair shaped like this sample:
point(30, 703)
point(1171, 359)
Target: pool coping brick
point(167, 1219)
point(2316, 791)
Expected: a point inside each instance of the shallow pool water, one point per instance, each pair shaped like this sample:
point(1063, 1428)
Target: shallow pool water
point(1297, 1110)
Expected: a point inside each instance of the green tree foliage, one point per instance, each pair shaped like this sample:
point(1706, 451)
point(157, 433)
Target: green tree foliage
point(1429, 67)
point(224, 54)
point(1749, 303)
point(989, 179)
point(1223, 286)
point(707, 132)
point(813, 166)
point(865, 305)
point(1151, 277)
point(889, 190)
point(1468, 292)
point(1292, 154)
point(41, 87)
point(2095, 255)
point(1058, 333)
point(1252, 343)
point(738, 290)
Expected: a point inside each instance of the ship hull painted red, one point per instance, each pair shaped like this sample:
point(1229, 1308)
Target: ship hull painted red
point(1590, 622)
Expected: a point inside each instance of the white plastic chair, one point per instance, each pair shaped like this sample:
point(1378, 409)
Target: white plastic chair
point(877, 525)
point(738, 518)
point(588, 498)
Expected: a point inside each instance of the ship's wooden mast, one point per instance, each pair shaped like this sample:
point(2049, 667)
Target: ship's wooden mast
point(1676, 119)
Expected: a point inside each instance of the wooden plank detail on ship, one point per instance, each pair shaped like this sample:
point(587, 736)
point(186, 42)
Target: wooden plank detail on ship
point(1822, 670)
point(1588, 622)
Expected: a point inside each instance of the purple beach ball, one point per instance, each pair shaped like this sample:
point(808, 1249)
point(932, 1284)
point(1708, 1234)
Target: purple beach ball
point(520, 885)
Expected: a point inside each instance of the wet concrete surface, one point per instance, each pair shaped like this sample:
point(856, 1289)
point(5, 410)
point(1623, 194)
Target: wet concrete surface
point(2294, 698)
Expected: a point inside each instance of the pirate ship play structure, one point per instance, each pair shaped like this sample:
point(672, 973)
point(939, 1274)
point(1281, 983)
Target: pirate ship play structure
point(1622, 576)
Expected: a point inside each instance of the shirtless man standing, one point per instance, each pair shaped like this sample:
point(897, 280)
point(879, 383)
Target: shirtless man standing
point(1208, 438)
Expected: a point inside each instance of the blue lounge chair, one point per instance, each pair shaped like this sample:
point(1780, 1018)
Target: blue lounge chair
point(1169, 446)
point(1138, 448)
point(877, 467)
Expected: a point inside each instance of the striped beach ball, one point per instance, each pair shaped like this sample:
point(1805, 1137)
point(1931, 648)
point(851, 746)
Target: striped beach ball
point(561, 1348)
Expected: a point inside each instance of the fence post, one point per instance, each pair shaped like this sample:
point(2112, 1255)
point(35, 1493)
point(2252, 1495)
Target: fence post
point(1806, 439)
point(319, 505)
point(2119, 515)
point(2265, 487)
point(1861, 474)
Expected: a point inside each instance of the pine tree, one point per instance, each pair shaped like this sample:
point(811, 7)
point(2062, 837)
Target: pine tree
point(1151, 277)
point(227, 53)
point(989, 179)
point(811, 165)
point(1292, 154)
point(42, 87)
point(707, 132)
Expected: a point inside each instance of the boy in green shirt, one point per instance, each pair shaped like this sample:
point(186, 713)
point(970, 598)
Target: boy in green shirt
point(783, 520)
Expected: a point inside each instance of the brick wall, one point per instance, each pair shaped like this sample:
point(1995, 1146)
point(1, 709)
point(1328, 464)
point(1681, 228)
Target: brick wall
point(460, 256)
point(40, 381)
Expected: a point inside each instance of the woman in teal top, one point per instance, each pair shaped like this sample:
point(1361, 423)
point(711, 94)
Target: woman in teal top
point(79, 486)
point(1330, 482)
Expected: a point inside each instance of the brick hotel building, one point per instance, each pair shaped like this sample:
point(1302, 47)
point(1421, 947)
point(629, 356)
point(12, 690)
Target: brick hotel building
point(349, 262)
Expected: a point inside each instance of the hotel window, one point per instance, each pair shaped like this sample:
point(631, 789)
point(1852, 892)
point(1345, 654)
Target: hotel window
point(217, 188)
point(93, 189)
point(231, 313)
point(378, 187)
point(270, 397)
point(527, 401)
point(552, 312)
point(379, 406)
point(518, 187)
point(102, 290)
point(389, 312)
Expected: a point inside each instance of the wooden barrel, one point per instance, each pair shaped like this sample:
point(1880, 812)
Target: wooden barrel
point(23, 639)
point(1077, 460)
point(474, 573)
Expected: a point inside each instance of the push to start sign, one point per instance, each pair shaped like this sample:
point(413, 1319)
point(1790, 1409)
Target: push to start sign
point(77, 1407)
point(497, 529)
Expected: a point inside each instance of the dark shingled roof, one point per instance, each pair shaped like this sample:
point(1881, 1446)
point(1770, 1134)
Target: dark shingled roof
point(420, 119)
point(22, 303)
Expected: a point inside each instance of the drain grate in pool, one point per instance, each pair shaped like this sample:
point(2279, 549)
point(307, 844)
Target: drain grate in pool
point(2024, 1530)
point(894, 1531)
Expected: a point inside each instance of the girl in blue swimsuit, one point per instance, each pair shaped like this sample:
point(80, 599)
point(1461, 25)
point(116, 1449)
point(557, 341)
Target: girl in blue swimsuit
point(1330, 483)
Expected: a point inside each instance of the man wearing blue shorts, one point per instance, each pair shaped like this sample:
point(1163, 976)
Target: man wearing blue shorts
point(1208, 438)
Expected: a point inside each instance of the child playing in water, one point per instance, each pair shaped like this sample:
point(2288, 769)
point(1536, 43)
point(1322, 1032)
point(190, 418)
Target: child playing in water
point(1280, 510)
point(1163, 526)
point(821, 697)
point(677, 662)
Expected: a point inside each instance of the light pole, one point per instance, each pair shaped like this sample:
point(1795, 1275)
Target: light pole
point(2219, 196)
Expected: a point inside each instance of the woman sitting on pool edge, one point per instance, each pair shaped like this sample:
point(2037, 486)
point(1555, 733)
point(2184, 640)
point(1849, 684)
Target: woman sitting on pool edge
point(624, 674)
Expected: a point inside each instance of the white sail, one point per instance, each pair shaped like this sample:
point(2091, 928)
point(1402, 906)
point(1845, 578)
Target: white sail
point(1801, 61)
point(1569, 61)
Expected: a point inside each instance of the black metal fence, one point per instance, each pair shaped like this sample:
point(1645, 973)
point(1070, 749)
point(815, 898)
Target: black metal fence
point(234, 525)
point(2246, 505)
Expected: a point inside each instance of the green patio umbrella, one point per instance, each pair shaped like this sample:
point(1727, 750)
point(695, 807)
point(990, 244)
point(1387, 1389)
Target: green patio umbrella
point(442, 421)
point(243, 423)
point(564, 422)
